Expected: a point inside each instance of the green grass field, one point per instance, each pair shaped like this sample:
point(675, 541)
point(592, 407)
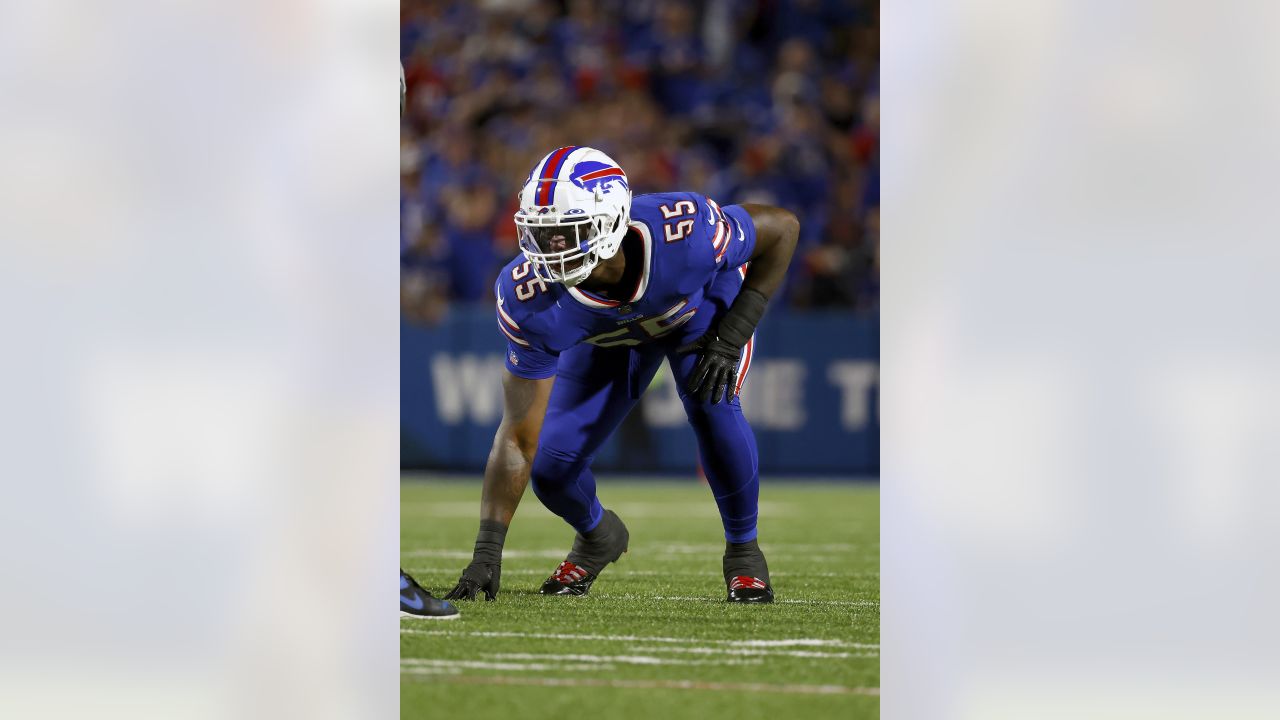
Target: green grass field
point(654, 639)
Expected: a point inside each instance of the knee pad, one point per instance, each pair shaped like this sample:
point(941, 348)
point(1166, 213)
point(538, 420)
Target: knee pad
point(552, 470)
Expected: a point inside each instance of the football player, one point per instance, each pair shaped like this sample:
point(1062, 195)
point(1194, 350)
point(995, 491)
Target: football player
point(607, 287)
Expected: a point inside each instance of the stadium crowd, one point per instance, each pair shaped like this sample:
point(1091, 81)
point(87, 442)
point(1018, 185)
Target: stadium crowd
point(772, 101)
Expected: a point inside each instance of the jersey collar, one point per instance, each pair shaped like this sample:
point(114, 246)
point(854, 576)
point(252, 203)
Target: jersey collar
point(592, 300)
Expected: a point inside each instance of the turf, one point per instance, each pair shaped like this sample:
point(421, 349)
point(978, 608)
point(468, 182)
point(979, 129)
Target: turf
point(655, 637)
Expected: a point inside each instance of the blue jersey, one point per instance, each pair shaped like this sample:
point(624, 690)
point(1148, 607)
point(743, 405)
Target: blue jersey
point(694, 257)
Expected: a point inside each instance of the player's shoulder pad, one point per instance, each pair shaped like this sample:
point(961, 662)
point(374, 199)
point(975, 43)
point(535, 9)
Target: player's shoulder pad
point(521, 300)
point(705, 243)
point(655, 208)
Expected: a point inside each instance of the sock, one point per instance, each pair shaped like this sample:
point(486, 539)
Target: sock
point(745, 559)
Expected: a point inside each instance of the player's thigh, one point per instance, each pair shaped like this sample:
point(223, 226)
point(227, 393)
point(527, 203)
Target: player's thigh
point(682, 367)
point(595, 388)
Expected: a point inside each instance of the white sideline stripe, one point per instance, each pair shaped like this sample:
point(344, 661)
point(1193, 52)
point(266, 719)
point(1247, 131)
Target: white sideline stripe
point(757, 652)
point(623, 659)
point(786, 642)
point(665, 685)
point(414, 670)
point(411, 664)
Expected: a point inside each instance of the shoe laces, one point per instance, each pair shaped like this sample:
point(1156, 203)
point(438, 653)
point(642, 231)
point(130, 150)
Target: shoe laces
point(744, 581)
point(568, 573)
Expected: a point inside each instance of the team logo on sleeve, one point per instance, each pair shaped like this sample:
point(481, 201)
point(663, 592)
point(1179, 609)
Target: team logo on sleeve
point(590, 175)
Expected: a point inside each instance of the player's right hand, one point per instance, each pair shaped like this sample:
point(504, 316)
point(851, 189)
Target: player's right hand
point(478, 576)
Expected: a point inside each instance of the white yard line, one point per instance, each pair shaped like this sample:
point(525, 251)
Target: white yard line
point(622, 659)
point(764, 652)
point(665, 685)
point(426, 665)
point(787, 642)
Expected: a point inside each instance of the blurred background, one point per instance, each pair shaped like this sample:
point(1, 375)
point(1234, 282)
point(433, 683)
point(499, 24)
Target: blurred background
point(769, 101)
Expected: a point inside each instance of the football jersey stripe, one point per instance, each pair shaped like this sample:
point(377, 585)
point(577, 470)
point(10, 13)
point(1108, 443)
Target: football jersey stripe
point(511, 337)
point(716, 207)
point(507, 319)
point(646, 270)
point(589, 300)
point(721, 232)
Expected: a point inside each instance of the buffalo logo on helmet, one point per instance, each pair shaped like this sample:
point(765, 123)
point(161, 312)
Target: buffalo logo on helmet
point(590, 175)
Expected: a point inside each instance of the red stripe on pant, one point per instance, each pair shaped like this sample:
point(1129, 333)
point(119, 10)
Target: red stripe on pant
point(746, 364)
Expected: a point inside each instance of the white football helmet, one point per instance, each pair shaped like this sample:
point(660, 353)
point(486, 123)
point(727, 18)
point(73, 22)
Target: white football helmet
point(574, 210)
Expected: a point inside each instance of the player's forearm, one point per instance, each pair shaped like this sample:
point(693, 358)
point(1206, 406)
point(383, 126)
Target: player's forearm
point(777, 232)
point(506, 475)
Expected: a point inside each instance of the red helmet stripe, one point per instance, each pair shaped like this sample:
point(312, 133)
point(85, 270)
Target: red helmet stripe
point(550, 171)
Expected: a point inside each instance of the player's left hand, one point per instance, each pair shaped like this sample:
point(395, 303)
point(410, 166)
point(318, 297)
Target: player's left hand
point(478, 577)
point(716, 374)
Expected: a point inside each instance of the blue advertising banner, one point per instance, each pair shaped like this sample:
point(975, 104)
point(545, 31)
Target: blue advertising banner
point(812, 396)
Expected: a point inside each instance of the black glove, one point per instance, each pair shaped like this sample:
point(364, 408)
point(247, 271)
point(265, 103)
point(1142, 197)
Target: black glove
point(485, 571)
point(716, 374)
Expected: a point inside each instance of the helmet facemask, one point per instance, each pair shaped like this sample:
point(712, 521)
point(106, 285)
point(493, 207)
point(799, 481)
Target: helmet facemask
point(565, 248)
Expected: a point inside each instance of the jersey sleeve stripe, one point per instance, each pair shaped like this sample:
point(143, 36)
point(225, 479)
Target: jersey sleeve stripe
point(511, 337)
point(507, 319)
point(722, 231)
point(716, 208)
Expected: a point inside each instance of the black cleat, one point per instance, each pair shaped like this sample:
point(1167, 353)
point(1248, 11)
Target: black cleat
point(416, 602)
point(746, 573)
point(743, 589)
point(568, 579)
point(590, 554)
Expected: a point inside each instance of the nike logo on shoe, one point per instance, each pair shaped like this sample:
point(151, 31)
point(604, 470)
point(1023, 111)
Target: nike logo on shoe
point(416, 602)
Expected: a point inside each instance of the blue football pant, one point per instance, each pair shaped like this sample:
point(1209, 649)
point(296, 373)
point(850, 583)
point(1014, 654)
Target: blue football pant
point(594, 390)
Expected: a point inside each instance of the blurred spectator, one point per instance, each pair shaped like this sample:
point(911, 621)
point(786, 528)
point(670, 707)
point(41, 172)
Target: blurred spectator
point(773, 101)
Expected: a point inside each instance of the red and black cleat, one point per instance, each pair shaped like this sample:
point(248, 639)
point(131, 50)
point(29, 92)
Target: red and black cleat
point(591, 552)
point(568, 579)
point(746, 573)
point(745, 589)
